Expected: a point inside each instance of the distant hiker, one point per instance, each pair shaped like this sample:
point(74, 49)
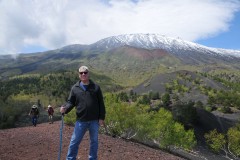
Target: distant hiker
point(87, 97)
point(35, 114)
point(50, 113)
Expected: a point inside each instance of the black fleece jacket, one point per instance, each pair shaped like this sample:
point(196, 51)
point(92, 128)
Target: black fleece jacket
point(89, 104)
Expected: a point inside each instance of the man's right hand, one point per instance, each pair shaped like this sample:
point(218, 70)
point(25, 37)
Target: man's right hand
point(62, 109)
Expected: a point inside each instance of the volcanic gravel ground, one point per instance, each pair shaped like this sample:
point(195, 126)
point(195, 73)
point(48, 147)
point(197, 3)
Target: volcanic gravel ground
point(42, 143)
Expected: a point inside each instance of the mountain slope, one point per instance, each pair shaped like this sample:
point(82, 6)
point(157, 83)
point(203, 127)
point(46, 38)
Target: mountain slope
point(184, 78)
point(132, 65)
point(126, 58)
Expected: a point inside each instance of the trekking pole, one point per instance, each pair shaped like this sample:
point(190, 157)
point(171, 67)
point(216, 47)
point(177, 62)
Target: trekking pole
point(60, 143)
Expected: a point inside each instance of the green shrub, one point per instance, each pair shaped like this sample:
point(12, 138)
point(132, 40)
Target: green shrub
point(70, 118)
point(233, 135)
point(215, 140)
point(132, 120)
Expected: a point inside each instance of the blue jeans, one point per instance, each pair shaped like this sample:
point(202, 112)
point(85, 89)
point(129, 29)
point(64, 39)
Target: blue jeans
point(34, 120)
point(77, 136)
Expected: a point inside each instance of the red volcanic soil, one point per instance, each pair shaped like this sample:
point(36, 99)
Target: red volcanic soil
point(42, 143)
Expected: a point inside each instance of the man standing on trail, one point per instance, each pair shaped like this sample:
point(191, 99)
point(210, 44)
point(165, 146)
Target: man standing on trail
point(87, 97)
point(50, 114)
point(35, 114)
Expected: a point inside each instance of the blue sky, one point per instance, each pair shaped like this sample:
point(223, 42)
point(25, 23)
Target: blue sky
point(227, 40)
point(35, 26)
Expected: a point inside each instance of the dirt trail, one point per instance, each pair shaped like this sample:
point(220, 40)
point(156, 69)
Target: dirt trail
point(42, 143)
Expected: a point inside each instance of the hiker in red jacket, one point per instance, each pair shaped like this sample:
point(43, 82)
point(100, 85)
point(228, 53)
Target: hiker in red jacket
point(50, 114)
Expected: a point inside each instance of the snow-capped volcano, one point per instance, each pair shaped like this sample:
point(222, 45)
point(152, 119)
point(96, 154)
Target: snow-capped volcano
point(176, 46)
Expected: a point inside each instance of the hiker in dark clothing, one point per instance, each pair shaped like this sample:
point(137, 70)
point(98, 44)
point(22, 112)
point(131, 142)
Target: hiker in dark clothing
point(87, 97)
point(35, 114)
point(50, 113)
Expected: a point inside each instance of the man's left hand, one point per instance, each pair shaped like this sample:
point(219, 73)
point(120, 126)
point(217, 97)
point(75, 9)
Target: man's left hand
point(101, 122)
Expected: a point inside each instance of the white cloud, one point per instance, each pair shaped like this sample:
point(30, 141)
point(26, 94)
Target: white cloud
point(52, 24)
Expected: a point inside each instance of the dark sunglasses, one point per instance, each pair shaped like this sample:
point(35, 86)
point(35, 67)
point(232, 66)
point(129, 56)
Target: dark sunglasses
point(83, 72)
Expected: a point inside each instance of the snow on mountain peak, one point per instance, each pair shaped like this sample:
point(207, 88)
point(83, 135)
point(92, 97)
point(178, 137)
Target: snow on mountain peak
point(156, 41)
